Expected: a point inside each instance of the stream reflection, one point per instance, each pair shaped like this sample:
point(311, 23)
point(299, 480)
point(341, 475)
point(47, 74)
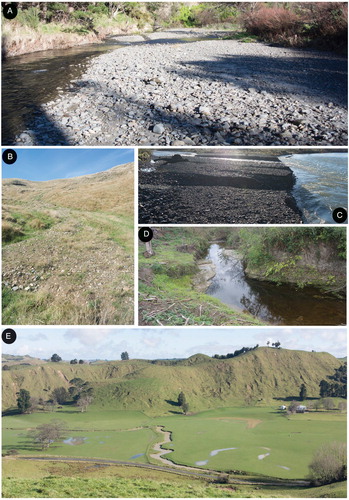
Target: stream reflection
point(276, 304)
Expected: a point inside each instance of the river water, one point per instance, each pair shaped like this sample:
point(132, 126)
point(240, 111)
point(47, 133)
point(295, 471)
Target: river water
point(32, 79)
point(278, 305)
point(321, 185)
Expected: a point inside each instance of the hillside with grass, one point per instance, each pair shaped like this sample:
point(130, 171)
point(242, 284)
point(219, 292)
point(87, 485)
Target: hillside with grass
point(68, 249)
point(258, 377)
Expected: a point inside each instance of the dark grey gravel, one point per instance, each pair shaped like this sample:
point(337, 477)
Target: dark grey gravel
point(205, 92)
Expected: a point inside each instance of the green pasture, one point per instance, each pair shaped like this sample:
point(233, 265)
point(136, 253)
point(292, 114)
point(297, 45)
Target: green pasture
point(288, 442)
point(116, 435)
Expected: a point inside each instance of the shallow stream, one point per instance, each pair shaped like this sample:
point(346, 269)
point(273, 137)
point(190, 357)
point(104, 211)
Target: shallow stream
point(275, 304)
point(32, 79)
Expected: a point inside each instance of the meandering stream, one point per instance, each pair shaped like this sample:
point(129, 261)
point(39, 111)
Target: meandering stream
point(278, 305)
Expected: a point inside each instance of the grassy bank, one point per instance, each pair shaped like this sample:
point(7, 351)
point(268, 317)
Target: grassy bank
point(302, 256)
point(59, 25)
point(23, 479)
point(56, 25)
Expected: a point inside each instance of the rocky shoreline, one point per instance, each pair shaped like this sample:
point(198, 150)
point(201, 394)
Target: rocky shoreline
point(215, 191)
point(168, 91)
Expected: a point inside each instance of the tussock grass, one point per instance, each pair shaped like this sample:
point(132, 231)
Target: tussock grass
point(75, 263)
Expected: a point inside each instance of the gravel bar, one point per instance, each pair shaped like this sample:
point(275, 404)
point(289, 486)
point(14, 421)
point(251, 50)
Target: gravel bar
point(216, 191)
point(169, 91)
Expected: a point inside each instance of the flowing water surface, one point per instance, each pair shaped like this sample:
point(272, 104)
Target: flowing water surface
point(32, 79)
point(321, 184)
point(278, 305)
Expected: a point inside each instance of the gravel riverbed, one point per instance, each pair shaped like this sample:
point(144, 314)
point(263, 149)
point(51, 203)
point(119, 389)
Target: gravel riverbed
point(165, 91)
point(207, 190)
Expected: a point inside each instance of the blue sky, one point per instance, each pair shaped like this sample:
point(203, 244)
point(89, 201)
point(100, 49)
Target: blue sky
point(154, 343)
point(63, 163)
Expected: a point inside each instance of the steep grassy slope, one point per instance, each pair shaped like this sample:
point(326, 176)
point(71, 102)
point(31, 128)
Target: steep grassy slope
point(69, 252)
point(108, 190)
point(18, 361)
point(257, 376)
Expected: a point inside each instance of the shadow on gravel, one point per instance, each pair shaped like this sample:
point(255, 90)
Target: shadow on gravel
point(325, 74)
point(314, 75)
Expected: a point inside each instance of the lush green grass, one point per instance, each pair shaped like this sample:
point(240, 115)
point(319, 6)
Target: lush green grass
point(52, 487)
point(292, 440)
point(25, 224)
point(119, 435)
point(102, 434)
point(59, 479)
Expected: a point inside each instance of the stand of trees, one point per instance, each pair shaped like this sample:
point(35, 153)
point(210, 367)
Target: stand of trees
point(23, 401)
point(274, 344)
point(81, 392)
point(337, 388)
point(124, 356)
point(238, 352)
point(55, 358)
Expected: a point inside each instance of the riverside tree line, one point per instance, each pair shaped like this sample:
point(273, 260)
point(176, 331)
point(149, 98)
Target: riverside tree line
point(323, 24)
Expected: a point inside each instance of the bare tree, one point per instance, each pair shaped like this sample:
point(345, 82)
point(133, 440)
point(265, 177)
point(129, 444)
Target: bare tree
point(329, 463)
point(84, 401)
point(46, 434)
point(328, 403)
point(342, 406)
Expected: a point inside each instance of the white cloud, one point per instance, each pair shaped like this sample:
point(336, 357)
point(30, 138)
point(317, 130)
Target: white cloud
point(36, 337)
point(88, 337)
point(151, 342)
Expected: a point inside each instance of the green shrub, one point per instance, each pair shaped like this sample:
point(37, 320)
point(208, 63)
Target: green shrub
point(29, 17)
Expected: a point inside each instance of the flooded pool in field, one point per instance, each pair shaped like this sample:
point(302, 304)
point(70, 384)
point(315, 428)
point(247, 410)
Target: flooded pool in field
point(213, 453)
point(75, 441)
point(275, 304)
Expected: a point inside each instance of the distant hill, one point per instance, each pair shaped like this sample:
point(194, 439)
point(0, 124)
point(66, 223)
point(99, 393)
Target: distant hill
point(11, 360)
point(107, 190)
point(259, 375)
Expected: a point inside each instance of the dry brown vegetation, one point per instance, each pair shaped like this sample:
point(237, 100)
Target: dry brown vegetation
point(320, 24)
point(69, 252)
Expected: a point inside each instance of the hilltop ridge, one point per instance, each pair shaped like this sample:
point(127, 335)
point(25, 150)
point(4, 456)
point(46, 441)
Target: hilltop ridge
point(261, 376)
point(87, 192)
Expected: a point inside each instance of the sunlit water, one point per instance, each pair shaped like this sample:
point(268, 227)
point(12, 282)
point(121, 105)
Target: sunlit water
point(321, 185)
point(32, 79)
